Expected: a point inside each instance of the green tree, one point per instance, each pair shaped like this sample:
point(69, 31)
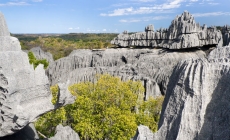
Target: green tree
point(107, 109)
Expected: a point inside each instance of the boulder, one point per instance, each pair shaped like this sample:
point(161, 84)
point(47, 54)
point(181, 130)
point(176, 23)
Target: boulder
point(65, 133)
point(143, 133)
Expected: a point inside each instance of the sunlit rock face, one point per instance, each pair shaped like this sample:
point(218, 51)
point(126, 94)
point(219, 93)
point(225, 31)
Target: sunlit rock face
point(152, 67)
point(183, 33)
point(24, 92)
point(226, 35)
point(196, 106)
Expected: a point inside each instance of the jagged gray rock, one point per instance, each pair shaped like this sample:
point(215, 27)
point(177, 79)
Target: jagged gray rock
point(226, 35)
point(40, 54)
point(27, 133)
point(143, 133)
point(183, 33)
point(196, 106)
point(3, 26)
point(24, 92)
point(152, 66)
point(65, 133)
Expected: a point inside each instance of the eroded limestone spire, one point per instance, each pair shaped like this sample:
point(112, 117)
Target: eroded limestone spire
point(3, 26)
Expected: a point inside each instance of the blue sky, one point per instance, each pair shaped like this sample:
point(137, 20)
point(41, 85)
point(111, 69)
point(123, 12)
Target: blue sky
point(101, 16)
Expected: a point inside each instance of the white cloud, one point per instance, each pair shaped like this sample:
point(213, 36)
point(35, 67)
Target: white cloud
point(144, 19)
point(213, 3)
point(104, 30)
point(37, 0)
point(71, 28)
point(133, 20)
point(143, 0)
point(145, 10)
point(211, 14)
point(14, 4)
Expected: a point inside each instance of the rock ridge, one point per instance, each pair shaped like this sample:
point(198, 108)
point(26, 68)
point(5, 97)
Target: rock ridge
point(183, 33)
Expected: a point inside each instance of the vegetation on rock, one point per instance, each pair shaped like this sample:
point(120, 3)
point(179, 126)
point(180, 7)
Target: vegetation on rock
point(107, 109)
point(33, 60)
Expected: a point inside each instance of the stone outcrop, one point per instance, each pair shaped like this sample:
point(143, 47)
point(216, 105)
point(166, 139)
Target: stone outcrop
point(24, 92)
point(152, 66)
point(27, 133)
point(183, 33)
point(143, 133)
point(40, 54)
point(196, 105)
point(226, 35)
point(65, 133)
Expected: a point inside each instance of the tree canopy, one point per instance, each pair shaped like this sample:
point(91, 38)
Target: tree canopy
point(107, 109)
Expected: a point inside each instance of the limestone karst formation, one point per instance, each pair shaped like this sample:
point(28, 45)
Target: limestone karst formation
point(196, 105)
point(183, 33)
point(226, 35)
point(24, 92)
point(195, 83)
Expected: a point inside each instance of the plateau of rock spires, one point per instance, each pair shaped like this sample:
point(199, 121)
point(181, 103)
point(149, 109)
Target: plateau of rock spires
point(152, 66)
point(183, 33)
point(65, 133)
point(24, 92)
point(196, 106)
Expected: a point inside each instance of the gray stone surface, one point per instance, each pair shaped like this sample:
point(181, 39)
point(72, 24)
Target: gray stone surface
point(65, 133)
point(27, 133)
point(143, 133)
point(196, 106)
point(3, 26)
point(24, 92)
point(40, 54)
point(183, 33)
point(152, 66)
point(226, 35)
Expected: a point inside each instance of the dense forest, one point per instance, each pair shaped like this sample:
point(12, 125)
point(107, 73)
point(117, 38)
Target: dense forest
point(61, 45)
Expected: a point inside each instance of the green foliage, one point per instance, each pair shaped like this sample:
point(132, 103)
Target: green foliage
point(54, 90)
point(35, 62)
point(62, 45)
point(107, 109)
point(149, 112)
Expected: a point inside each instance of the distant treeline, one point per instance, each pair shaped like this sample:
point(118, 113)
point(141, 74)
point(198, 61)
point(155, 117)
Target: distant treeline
point(60, 45)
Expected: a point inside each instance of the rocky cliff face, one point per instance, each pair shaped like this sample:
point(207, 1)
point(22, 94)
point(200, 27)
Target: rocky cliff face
point(24, 92)
point(226, 35)
point(196, 105)
point(183, 33)
point(152, 66)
